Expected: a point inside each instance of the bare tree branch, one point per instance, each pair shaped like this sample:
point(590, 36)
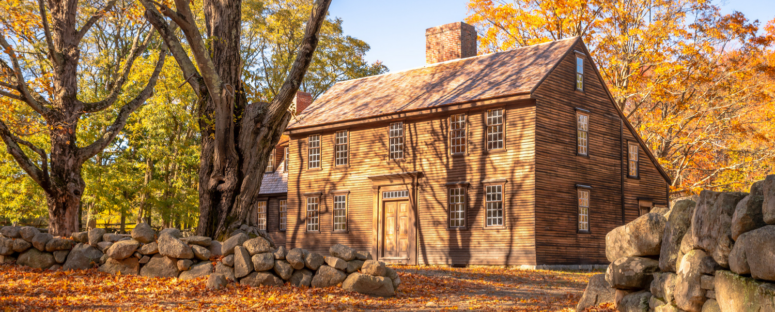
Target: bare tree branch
point(93, 19)
point(12, 145)
point(23, 89)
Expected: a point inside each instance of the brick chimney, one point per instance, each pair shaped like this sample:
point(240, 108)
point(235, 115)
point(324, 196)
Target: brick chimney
point(301, 101)
point(449, 42)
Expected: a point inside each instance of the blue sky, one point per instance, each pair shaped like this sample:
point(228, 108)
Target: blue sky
point(395, 29)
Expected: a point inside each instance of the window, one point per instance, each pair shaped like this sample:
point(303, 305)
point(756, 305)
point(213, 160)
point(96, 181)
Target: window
point(270, 163)
point(261, 218)
point(457, 134)
point(313, 214)
point(582, 133)
point(494, 129)
point(283, 214)
point(287, 153)
point(395, 194)
point(340, 212)
point(313, 147)
point(457, 207)
point(494, 201)
point(579, 73)
point(583, 194)
point(397, 140)
point(340, 148)
point(632, 160)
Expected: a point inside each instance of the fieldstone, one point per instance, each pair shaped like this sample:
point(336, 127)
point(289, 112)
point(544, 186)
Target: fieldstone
point(104, 246)
point(55, 267)
point(145, 259)
point(7, 259)
point(677, 225)
point(352, 266)
point(706, 282)
point(216, 248)
point(301, 277)
point(655, 302)
point(363, 255)
point(283, 269)
point(373, 268)
point(103, 259)
point(748, 215)
point(336, 263)
point(369, 285)
point(228, 260)
point(6, 246)
point(196, 271)
point(220, 268)
point(711, 294)
point(184, 264)
point(392, 275)
point(234, 241)
point(261, 278)
point(663, 286)
point(327, 276)
point(138, 255)
point(641, 237)
point(709, 266)
point(754, 253)
point(172, 247)
point(216, 281)
point(200, 252)
point(257, 245)
point(768, 206)
point(160, 266)
point(149, 249)
point(113, 237)
point(19, 245)
point(743, 294)
point(689, 294)
point(56, 243)
point(630, 273)
point(296, 258)
point(280, 253)
point(28, 233)
point(143, 233)
point(712, 222)
point(95, 236)
point(126, 266)
point(686, 246)
point(80, 237)
point(242, 262)
point(263, 261)
point(40, 240)
point(122, 249)
point(343, 252)
point(635, 302)
point(82, 257)
point(711, 306)
point(60, 256)
point(171, 232)
point(10, 231)
point(35, 258)
point(314, 260)
point(203, 241)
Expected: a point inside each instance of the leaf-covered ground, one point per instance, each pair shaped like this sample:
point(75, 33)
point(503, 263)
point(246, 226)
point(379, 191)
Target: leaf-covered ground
point(422, 288)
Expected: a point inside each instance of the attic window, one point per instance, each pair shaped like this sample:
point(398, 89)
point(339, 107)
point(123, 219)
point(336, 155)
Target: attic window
point(579, 72)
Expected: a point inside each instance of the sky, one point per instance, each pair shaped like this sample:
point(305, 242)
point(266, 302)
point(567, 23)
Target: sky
point(395, 29)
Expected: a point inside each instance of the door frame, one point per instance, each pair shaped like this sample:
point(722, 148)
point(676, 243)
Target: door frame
point(388, 182)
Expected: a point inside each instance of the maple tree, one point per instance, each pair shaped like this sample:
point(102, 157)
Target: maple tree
point(39, 68)
point(696, 84)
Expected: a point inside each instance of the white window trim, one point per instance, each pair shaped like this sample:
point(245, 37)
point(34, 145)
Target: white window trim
point(458, 135)
point(396, 147)
point(579, 82)
point(487, 201)
point(463, 202)
point(583, 211)
point(316, 149)
point(346, 146)
point(339, 209)
point(283, 214)
point(582, 126)
point(501, 139)
point(312, 219)
point(261, 216)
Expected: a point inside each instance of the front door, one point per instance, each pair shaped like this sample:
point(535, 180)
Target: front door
point(396, 230)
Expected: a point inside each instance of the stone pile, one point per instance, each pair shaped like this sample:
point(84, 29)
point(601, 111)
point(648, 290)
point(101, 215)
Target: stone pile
point(241, 258)
point(715, 254)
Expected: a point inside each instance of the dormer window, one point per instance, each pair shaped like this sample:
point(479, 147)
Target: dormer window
point(579, 72)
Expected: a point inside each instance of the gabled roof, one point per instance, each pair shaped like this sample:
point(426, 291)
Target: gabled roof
point(488, 76)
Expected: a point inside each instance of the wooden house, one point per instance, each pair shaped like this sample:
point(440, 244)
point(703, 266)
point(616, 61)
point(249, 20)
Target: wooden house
point(511, 158)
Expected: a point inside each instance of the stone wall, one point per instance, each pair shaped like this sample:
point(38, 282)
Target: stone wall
point(241, 258)
point(711, 253)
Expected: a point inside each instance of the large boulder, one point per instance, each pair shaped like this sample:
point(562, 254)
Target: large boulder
point(629, 273)
point(171, 232)
point(280, 253)
point(768, 206)
point(641, 237)
point(327, 276)
point(257, 245)
point(748, 215)
point(82, 257)
point(369, 285)
point(295, 258)
point(227, 248)
point(352, 266)
point(738, 260)
point(689, 294)
point(95, 236)
point(149, 249)
point(172, 247)
point(216, 248)
point(35, 258)
point(143, 233)
point(59, 244)
point(374, 268)
point(712, 224)
point(742, 294)
point(597, 292)
point(10, 231)
point(678, 224)
point(314, 260)
point(200, 252)
point(228, 260)
point(114, 237)
point(363, 255)
point(197, 240)
point(283, 269)
point(221, 268)
point(19, 245)
point(754, 253)
point(126, 266)
point(123, 249)
point(6, 246)
point(104, 246)
point(61, 255)
point(217, 281)
point(28, 233)
point(301, 277)
point(340, 264)
point(343, 252)
point(263, 261)
point(393, 275)
point(196, 271)
point(80, 237)
point(663, 286)
point(635, 302)
point(261, 278)
point(184, 264)
point(160, 266)
point(40, 240)
point(243, 265)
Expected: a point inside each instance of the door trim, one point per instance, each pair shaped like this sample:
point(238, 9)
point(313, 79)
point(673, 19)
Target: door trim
point(400, 181)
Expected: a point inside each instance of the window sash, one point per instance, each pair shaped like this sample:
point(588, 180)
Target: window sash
point(457, 207)
point(313, 214)
point(632, 157)
point(457, 134)
point(579, 73)
point(494, 205)
point(582, 133)
point(583, 196)
point(340, 213)
point(340, 148)
point(313, 147)
point(494, 129)
point(261, 215)
point(287, 153)
point(270, 163)
point(283, 215)
point(396, 134)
